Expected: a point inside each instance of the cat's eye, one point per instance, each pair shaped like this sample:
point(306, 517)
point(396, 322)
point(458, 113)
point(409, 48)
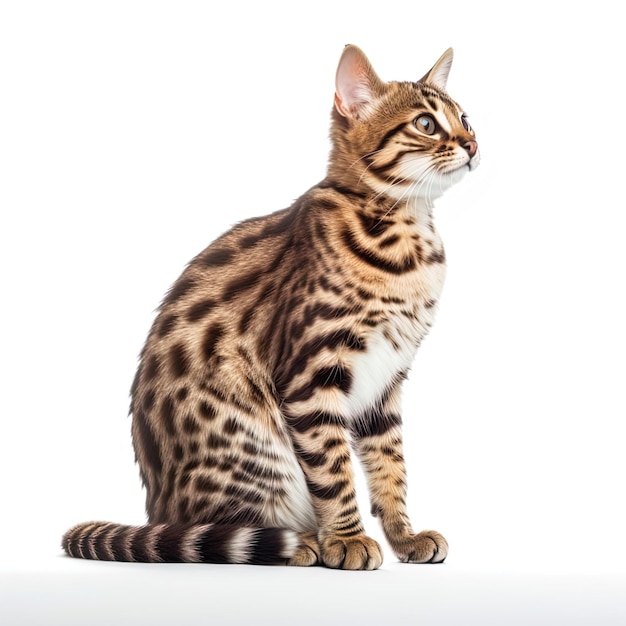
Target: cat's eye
point(426, 124)
point(466, 124)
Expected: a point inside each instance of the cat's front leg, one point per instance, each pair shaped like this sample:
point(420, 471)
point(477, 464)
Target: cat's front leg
point(321, 443)
point(378, 443)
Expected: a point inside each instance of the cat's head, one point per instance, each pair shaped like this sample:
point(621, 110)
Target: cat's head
point(403, 139)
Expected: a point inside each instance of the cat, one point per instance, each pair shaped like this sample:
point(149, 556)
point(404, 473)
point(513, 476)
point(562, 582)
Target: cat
point(285, 343)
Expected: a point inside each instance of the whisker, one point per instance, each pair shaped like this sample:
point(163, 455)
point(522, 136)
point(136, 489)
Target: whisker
point(365, 156)
point(422, 174)
point(420, 180)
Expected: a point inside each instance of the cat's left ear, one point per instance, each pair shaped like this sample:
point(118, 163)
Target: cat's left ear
point(357, 85)
point(438, 74)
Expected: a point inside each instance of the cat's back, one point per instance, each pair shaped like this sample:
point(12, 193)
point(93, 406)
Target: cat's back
point(229, 270)
point(261, 265)
point(218, 311)
point(331, 249)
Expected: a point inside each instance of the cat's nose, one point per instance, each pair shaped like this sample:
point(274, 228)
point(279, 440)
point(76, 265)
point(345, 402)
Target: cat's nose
point(471, 147)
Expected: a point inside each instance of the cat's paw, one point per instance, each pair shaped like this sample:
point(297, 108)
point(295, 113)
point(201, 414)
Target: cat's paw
point(425, 547)
point(356, 553)
point(308, 552)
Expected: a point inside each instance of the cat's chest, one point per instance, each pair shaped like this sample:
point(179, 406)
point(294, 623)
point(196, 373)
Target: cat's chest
point(390, 346)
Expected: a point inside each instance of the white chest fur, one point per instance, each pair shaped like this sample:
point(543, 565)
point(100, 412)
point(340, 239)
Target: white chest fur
point(390, 350)
point(374, 369)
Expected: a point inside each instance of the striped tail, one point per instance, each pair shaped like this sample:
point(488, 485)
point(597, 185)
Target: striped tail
point(180, 543)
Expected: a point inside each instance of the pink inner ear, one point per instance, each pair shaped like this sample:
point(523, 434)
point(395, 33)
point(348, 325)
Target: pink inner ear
point(352, 98)
point(339, 106)
point(353, 84)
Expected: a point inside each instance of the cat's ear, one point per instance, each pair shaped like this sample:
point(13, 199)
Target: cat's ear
point(438, 74)
point(357, 85)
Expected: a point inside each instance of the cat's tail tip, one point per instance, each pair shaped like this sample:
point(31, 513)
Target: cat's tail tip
point(180, 543)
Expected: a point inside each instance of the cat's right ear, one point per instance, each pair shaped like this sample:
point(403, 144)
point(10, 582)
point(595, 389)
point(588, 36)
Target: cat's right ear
point(438, 74)
point(357, 85)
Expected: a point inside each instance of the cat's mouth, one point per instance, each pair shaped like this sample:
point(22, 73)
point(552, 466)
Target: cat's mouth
point(468, 165)
point(474, 162)
point(464, 163)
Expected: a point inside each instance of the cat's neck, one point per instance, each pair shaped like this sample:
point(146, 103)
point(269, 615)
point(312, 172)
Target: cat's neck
point(376, 203)
point(421, 210)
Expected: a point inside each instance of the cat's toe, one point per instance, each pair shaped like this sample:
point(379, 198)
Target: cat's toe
point(426, 547)
point(308, 552)
point(355, 553)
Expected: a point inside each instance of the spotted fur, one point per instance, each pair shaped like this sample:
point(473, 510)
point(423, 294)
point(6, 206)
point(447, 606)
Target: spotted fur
point(286, 342)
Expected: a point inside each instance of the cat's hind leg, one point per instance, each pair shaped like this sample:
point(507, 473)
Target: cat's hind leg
point(308, 552)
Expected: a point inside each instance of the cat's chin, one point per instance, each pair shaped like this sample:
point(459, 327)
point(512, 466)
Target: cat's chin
point(441, 183)
point(453, 177)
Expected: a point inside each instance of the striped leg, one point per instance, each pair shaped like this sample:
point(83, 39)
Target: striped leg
point(321, 443)
point(378, 443)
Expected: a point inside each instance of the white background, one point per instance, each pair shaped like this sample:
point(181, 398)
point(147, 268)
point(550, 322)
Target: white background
point(134, 133)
